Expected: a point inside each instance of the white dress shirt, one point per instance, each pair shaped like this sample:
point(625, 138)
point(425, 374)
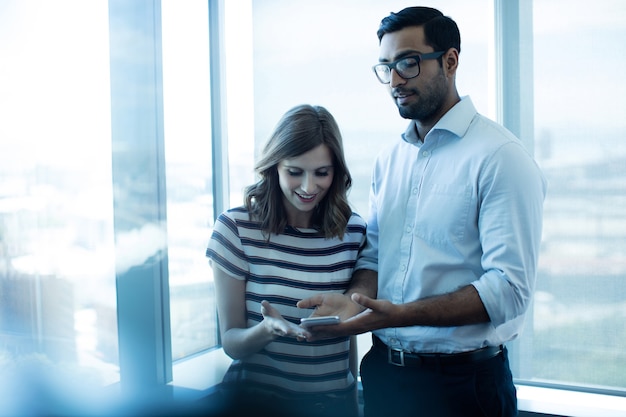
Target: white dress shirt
point(463, 207)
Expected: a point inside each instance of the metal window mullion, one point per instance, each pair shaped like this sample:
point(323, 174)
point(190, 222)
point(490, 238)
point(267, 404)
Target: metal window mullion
point(219, 131)
point(514, 67)
point(139, 195)
point(515, 110)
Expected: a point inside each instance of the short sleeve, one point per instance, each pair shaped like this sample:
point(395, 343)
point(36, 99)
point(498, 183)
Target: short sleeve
point(225, 249)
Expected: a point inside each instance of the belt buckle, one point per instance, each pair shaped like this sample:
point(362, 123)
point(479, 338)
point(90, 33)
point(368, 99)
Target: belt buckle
point(390, 356)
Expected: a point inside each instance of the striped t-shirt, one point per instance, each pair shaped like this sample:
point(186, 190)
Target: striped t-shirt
point(296, 264)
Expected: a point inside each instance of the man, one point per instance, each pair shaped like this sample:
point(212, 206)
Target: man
point(453, 235)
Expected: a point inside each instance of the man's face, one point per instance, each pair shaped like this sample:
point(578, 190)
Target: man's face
point(420, 98)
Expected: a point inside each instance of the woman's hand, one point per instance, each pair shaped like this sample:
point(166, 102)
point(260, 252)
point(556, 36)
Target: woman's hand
point(276, 325)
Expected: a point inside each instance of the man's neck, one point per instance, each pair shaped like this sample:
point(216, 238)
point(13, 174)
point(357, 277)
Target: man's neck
point(423, 129)
point(425, 126)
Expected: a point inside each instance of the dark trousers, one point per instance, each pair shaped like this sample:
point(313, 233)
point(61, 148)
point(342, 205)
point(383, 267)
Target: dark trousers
point(482, 389)
point(243, 402)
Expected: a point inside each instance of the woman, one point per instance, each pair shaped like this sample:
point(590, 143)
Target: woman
point(295, 236)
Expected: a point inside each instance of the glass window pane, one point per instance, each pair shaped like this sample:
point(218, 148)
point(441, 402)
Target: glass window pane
point(187, 124)
point(57, 275)
point(580, 305)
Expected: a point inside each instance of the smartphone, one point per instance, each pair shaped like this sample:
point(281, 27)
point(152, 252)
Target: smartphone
point(319, 321)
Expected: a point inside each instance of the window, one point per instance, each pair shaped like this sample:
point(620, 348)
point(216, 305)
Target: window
point(106, 196)
point(572, 113)
point(107, 173)
point(577, 335)
point(187, 128)
point(57, 254)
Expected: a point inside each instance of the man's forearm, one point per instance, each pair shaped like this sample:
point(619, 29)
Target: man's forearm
point(364, 281)
point(458, 308)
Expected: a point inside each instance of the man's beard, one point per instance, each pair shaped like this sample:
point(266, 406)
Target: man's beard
point(429, 103)
point(422, 112)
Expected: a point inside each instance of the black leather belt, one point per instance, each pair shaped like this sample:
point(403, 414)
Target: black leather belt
point(401, 358)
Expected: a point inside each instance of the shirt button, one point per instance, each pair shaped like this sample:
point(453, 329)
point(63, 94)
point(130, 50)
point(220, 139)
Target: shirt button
point(425, 153)
point(415, 190)
point(408, 229)
point(402, 268)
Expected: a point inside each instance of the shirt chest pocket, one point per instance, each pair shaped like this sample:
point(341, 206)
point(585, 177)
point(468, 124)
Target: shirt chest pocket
point(443, 212)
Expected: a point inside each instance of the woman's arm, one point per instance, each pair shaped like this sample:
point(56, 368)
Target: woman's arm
point(238, 340)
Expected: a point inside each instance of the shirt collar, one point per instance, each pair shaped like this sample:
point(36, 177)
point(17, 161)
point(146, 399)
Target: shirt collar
point(456, 121)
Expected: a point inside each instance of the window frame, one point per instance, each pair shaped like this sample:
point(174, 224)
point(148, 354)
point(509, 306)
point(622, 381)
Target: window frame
point(515, 110)
point(145, 352)
point(145, 348)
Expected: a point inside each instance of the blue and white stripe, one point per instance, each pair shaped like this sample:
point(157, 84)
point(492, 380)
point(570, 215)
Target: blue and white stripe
point(296, 264)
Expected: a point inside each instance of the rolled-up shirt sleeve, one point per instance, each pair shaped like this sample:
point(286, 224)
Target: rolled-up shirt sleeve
point(512, 192)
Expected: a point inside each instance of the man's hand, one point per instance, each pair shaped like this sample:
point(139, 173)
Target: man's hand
point(331, 304)
point(358, 314)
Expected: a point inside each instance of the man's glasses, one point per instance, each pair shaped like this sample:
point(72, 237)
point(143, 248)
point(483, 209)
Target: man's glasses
point(406, 68)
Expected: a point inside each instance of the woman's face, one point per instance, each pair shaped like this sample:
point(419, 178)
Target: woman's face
point(304, 181)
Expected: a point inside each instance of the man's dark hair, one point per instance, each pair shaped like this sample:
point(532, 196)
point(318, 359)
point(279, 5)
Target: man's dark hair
point(440, 31)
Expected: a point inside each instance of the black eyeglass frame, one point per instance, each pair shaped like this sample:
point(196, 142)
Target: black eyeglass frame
point(394, 64)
